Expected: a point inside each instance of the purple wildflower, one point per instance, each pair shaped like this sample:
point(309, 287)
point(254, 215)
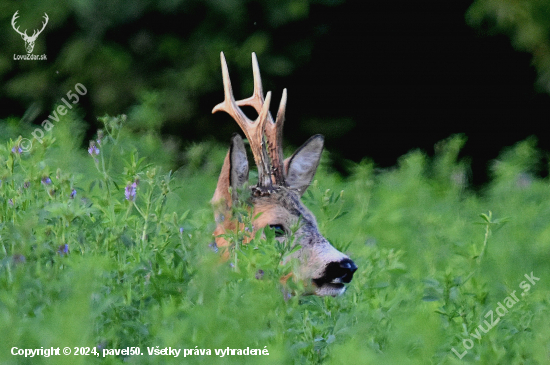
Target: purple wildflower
point(93, 150)
point(181, 230)
point(259, 274)
point(46, 180)
point(130, 191)
point(99, 137)
point(213, 246)
point(17, 149)
point(63, 249)
point(26, 184)
point(19, 259)
point(73, 194)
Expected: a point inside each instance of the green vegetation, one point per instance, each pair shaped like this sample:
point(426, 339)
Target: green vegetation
point(163, 55)
point(86, 263)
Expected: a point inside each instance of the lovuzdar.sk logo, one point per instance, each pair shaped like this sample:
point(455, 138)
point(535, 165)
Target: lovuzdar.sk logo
point(29, 40)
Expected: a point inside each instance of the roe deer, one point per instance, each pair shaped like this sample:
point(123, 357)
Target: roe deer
point(280, 186)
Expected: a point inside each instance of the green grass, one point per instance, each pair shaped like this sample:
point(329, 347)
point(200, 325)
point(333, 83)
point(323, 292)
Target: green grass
point(97, 270)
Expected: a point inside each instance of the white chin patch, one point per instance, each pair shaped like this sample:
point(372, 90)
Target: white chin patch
point(330, 289)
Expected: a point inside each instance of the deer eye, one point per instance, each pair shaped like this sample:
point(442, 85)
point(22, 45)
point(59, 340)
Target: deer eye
point(279, 229)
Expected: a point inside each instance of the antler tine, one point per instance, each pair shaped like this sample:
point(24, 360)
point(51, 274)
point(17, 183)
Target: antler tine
point(264, 179)
point(44, 23)
point(274, 135)
point(257, 99)
point(252, 129)
point(13, 19)
point(273, 130)
point(37, 32)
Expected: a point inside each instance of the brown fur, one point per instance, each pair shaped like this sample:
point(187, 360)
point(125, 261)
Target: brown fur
point(282, 207)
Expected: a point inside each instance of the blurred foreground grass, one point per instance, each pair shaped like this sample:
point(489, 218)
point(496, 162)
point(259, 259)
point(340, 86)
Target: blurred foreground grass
point(85, 263)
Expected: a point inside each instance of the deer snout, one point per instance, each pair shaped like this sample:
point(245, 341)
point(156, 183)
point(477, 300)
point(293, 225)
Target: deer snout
point(337, 272)
point(340, 272)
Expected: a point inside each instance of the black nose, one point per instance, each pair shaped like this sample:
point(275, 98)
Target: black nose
point(337, 271)
point(345, 270)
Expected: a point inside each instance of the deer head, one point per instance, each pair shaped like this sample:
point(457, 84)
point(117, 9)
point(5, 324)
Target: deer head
point(29, 41)
point(280, 186)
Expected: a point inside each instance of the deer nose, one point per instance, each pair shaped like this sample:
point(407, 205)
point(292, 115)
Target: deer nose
point(347, 268)
point(341, 271)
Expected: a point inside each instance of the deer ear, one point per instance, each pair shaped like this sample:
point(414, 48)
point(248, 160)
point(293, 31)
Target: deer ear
point(302, 165)
point(239, 164)
point(234, 174)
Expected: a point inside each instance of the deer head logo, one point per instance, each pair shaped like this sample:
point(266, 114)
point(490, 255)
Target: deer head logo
point(29, 41)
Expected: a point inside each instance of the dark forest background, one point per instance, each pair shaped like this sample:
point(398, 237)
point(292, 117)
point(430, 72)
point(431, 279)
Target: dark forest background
point(377, 78)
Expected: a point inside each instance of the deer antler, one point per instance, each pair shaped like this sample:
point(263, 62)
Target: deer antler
point(15, 16)
point(254, 131)
point(24, 34)
point(273, 129)
point(35, 34)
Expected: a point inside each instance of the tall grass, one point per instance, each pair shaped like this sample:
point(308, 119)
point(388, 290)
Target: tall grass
point(85, 262)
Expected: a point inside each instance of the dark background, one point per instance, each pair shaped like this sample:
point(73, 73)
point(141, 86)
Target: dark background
point(413, 76)
point(377, 78)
